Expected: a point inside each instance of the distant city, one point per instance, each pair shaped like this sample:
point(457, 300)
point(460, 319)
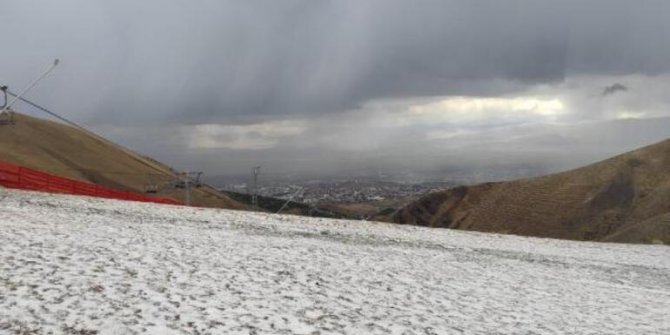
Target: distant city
point(353, 191)
point(361, 189)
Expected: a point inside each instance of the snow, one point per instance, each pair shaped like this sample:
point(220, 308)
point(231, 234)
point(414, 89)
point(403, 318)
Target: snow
point(77, 265)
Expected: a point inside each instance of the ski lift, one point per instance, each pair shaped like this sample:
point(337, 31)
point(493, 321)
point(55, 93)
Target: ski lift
point(5, 115)
point(196, 180)
point(3, 88)
point(151, 188)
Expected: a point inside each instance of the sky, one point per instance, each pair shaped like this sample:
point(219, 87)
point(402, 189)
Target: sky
point(339, 87)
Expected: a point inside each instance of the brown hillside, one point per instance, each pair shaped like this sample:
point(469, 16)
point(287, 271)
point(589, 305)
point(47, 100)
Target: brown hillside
point(74, 153)
point(623, 199)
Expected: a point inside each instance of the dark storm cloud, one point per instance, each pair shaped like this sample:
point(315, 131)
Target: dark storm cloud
point(614, 88)
point(307, 85)
point(241, 61)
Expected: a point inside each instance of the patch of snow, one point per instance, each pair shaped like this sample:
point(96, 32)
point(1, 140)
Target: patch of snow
point(77, 265)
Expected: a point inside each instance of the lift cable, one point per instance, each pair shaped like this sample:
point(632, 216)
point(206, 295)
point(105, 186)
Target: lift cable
point(44, 109)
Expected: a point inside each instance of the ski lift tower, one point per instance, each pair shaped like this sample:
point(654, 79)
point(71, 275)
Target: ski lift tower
point(8, 104)
point(183, 180)
point(4, 92)
point(256, 171)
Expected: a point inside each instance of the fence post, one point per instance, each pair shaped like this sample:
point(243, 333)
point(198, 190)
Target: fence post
point(19, 173)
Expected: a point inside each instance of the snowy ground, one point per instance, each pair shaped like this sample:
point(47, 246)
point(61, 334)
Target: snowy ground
point(74, 265)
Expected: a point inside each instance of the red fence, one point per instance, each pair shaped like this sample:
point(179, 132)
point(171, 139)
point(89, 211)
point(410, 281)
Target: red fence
point(15, 176)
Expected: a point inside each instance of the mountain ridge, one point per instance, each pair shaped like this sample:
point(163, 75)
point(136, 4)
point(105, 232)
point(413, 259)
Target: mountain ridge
point(76, 153)
point(606, 201)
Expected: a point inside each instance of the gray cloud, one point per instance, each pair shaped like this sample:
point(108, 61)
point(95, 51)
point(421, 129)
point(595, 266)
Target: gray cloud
point(240, 61)
point(141, 71)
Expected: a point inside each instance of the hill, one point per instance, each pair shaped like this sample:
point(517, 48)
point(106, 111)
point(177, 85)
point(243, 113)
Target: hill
point(273, 205)
point(75, 153)
point(624, 199)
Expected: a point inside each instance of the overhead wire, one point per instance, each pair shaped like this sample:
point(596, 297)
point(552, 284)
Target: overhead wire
point(76, 125)
point(44, 109)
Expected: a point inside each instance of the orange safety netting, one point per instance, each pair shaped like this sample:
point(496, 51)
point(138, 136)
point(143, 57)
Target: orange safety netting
point(19, 177)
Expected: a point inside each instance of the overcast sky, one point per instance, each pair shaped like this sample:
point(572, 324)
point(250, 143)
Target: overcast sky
point(336, 86)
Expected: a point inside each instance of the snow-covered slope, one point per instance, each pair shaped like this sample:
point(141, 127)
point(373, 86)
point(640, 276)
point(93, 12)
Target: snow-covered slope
point(74, 265)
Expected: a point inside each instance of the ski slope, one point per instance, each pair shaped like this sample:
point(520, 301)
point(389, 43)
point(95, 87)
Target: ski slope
point(76, 265)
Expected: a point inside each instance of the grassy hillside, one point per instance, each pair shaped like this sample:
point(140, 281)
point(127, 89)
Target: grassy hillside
point(74, 153)
point(273, 205)
point(625, 199)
